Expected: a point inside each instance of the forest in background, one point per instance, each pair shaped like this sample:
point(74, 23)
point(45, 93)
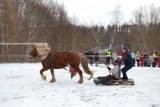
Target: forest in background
point(28, 21)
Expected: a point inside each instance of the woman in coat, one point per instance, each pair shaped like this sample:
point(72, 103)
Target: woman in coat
point(114, 74)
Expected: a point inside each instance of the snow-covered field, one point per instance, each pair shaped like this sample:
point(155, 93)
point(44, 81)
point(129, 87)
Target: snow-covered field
point(21, 86)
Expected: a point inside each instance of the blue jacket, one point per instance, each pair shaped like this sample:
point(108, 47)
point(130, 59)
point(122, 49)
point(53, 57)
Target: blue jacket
point(127, 59)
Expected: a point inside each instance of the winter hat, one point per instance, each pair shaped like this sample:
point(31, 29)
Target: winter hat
point(125, 48)
point(117, 62)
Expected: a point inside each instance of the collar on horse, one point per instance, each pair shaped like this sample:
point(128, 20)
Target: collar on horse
point(48, 59)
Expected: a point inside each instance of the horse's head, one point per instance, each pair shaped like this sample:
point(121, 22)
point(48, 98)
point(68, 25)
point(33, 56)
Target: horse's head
point(33, 52)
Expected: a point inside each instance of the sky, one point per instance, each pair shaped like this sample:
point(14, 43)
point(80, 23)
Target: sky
point(100, 12)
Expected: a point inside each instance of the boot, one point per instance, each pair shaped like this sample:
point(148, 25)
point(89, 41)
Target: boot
point(96, 81)
point(124, 79)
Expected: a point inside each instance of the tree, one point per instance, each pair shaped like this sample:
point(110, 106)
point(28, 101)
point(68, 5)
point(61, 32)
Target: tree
point(145, 20)
point(117, 17)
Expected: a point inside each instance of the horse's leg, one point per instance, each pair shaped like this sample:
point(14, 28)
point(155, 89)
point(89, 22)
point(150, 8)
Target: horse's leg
point(73, 74)
point(80, 74)
point(41, 73)
point(53, 76)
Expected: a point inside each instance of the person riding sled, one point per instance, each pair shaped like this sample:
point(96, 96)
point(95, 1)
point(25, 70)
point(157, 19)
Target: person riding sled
point(114, 74)
point(128, 63)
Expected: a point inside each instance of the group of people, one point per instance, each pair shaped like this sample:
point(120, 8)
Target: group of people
point(92, 56)
point(115, 73)
point(139, 59)
point(146, 60)
point(128, 58)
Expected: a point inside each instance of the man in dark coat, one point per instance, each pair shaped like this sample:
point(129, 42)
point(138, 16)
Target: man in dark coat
point(96, 58)
point(128, 63)
point(91, 55)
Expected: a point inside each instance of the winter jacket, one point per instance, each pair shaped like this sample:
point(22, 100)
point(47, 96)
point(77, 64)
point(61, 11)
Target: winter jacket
point(127, 59)
point(122, 54)
point(133, 55)
point(116, 71)
point(96, 56)
point(154, 54)
point(108, 53)
point(138, 55)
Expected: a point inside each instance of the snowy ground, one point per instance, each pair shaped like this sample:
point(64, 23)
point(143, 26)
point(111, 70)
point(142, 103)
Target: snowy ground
point(21, 86)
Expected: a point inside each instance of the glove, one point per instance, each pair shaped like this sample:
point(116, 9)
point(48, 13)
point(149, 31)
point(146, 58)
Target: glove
point(108, 68)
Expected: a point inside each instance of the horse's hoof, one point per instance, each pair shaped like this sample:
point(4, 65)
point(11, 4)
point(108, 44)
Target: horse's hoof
point(44, 78)
point(80, 82)
point(51, 81)
point(73, 74)
point(90, 77)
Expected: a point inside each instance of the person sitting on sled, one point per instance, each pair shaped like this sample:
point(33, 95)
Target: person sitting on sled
point(114, 74)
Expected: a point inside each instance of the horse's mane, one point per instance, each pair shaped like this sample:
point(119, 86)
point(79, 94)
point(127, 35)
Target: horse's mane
point(43, 50)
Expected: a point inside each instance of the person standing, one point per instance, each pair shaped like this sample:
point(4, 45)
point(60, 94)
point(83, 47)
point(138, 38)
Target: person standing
point(141, 60)
point(149, 62)
point(158, 59)
point(96, 58)
point(128, 63)
point(108, 57)
point(154, 55)
point(90, 54)
point(133, 55)
point(138, 58)
point(86, 53)
point(145, 59)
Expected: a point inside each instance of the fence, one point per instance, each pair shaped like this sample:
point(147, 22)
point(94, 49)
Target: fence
point(25, 59)
point(15, 52)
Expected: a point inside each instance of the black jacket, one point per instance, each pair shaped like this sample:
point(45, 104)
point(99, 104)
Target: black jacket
point(127, 59)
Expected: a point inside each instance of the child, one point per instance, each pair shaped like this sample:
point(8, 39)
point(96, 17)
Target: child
point(141, 60)
point(114, 74)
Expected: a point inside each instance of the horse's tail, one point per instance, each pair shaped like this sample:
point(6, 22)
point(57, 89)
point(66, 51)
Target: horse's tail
point(84, 63)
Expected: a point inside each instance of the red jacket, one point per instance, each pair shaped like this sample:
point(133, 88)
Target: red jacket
point(122, 54)
point(141, 58)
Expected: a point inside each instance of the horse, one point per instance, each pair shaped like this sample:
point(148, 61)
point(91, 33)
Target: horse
point(58, 60)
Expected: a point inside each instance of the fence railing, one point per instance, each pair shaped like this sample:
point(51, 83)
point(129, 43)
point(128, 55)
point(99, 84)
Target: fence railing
point(25, 58)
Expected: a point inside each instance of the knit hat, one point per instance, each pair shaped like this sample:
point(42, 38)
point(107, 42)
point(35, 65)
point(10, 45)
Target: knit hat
point(117, 62)
point(125, 48)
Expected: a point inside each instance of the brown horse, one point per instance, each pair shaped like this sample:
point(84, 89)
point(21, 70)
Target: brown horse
point(59, 60)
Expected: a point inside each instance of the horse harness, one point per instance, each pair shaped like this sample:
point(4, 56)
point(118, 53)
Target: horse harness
point(48, 61)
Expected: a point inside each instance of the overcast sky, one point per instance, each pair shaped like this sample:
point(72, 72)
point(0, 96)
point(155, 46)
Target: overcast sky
point(99, 12)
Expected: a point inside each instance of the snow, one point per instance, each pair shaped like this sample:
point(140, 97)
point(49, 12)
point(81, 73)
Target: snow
point(22, 86)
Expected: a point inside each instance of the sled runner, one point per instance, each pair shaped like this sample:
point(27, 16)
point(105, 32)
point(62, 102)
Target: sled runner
point(121, 82)
point(116, 82)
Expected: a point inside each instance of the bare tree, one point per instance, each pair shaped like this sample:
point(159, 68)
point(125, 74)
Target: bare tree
point(145, 20)
point(8, 22)
point(117, 17)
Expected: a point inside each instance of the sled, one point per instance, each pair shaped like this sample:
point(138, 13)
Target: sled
point(121, 82)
